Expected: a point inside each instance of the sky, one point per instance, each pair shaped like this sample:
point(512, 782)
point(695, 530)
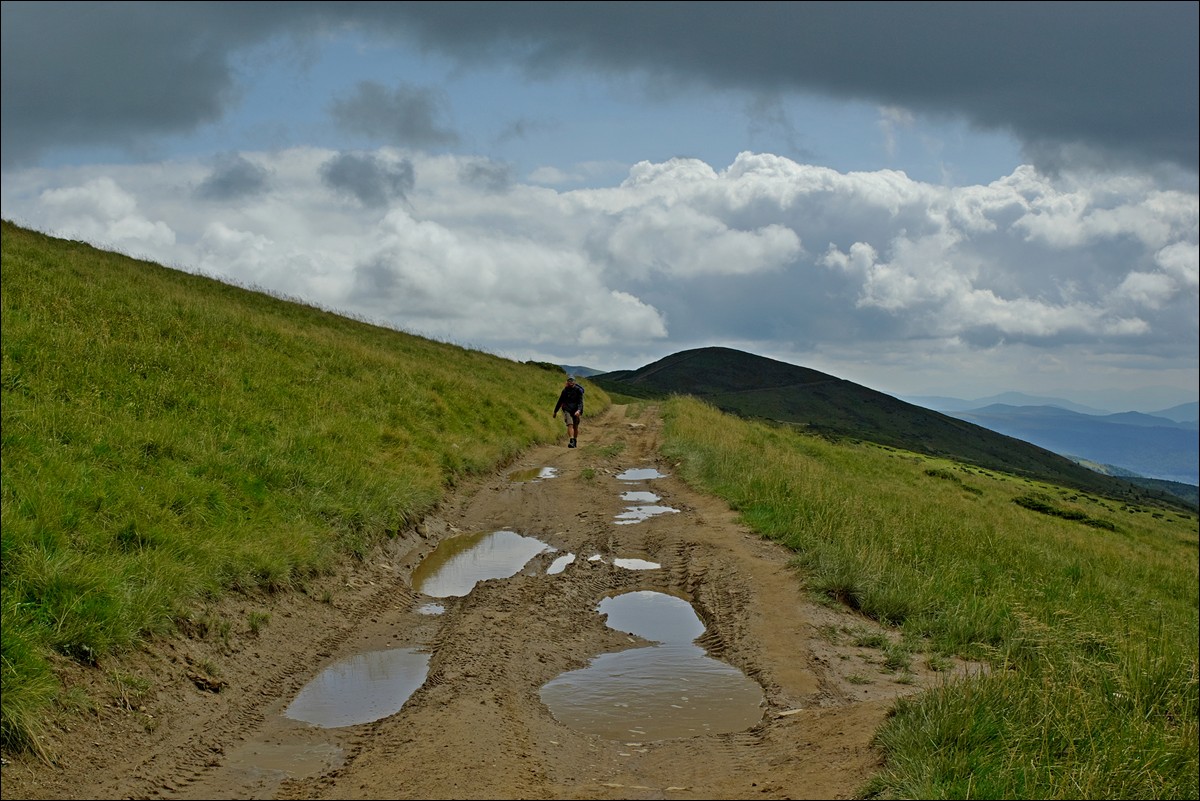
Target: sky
point(954, 199)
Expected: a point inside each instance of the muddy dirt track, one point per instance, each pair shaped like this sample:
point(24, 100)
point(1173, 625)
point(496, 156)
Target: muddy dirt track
point(203, 717)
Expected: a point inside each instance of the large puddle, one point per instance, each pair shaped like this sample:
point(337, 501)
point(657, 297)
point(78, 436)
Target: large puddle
point(459, 563)
point(360, 689)
point(669, 690)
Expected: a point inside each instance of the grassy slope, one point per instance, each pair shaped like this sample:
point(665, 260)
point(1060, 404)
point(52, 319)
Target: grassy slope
point(167, 438)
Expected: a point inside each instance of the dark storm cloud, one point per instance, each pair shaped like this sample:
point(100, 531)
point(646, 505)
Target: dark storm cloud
point(233, 177)
point(1107, 82)
point(121, 74)
point(1086, 80)
point(1096, 80)
point(406, 115)
point(371, 181)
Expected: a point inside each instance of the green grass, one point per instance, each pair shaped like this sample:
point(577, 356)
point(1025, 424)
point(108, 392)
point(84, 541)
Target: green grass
point(169, 439)
point(1090, 631)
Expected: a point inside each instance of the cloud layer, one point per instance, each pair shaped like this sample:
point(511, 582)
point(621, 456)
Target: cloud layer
point(1075, 82)
point(372, 193)
point(781, 257)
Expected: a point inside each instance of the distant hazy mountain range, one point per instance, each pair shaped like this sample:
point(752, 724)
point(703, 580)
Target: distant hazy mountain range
point(758, 387)
point(578, 371)
point(1183, 413)
point(1164, 445)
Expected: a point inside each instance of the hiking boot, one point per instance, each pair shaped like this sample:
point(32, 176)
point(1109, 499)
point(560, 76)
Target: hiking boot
point(571, 444)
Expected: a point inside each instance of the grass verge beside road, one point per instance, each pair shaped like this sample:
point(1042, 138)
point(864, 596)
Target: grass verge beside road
point(1090, 630)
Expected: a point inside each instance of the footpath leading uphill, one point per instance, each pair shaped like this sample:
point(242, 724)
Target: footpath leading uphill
point(213, 719)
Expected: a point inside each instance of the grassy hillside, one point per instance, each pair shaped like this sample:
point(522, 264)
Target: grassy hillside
point(1084, 609)
point(756, 387)
point(169, 438)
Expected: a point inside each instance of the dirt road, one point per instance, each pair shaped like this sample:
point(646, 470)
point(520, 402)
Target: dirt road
point(204, 717)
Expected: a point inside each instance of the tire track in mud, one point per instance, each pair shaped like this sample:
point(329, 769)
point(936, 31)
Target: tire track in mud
point(200, 755)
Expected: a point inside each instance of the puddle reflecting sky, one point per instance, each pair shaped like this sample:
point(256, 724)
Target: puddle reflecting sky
point(459, 563)
point(636, 514)
point(653, 616)
point(673, 689)
point(636, 564)
point(640, 474)
point(560, 564)
point(361, 689)
point(532, 474)
point(639, 497)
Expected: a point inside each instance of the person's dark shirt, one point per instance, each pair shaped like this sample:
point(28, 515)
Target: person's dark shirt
point(570, 399)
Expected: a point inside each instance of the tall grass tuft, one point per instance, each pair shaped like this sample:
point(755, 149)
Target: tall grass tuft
point(168, 439)
point(1089, 631)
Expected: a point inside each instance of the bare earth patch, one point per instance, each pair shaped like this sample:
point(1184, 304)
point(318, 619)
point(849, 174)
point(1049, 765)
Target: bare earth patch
point(202, 716)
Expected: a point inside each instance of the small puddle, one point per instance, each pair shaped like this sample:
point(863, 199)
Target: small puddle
point(636, 514)
point(431, 609)
point(560, 564)
point(646, 509)
point(532, 474)
point(636, 564)
point(640, 474)
point(459, 563)
point(361, 689)
point(628, 564)
point(669, 690)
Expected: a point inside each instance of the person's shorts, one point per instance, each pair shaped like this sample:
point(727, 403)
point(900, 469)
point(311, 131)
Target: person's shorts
point(569, 416)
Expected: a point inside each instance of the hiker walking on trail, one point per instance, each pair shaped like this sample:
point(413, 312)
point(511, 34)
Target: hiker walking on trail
point(570, 400)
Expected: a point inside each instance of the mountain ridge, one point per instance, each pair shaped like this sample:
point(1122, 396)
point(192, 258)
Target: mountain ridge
point(1150, 446)
point(1179, 413)
point(758, 387)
